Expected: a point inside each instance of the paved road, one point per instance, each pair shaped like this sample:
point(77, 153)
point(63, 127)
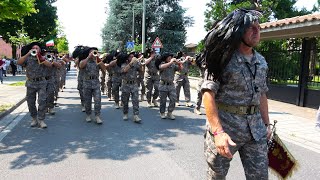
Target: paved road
point(157, 149)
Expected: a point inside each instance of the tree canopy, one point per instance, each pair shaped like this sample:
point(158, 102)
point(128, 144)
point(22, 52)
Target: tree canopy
point(16, 9)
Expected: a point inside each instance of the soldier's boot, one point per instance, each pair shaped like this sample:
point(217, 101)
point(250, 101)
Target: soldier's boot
point(125, 117)
point(155, 103)
point(189, 104)
point(88, 118)
point(197, 111)
point(136, 119)
point(42, 124)
point(163, 115)
point(171, 116)
point(34, 122)
point(149, 104)
point(177, 103)
point(98, 120)
point(51, 111)
point(83, 109)
point(117, 106)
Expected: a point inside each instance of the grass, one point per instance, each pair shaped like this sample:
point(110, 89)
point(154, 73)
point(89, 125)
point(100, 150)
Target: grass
point(5, 107)
point(19, 83)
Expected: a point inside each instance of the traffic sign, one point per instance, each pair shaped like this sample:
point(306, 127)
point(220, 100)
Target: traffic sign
point(130, 45)
point(157, 43)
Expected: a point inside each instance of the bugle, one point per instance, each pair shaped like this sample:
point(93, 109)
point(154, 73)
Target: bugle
point(34, 52)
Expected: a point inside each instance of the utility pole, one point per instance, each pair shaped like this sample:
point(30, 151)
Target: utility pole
point(132, 24)
point(144, 26)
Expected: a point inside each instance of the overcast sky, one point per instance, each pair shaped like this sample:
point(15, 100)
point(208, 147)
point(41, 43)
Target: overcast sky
point(93, 16)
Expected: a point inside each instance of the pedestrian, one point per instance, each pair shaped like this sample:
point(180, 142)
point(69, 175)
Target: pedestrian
point(234, 96)
point(181, 78)
point(151, 79)
point(13, 64)
point(318, 120)
point(129, 68)
point(167, 67)
point(5, 66)
point(201, 67)
point(91, 85)
point(2, 64)
point(36, 66)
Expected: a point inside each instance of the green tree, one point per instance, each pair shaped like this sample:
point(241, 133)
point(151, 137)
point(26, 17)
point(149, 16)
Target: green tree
point(16, 9)
point(62, 44)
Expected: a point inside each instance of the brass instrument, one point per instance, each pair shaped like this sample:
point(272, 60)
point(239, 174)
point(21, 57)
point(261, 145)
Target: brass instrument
point(95, 53)
point(34, 52)
point(142, 61)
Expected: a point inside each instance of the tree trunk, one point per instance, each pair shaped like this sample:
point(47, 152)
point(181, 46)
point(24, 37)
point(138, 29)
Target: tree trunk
point(14, 51)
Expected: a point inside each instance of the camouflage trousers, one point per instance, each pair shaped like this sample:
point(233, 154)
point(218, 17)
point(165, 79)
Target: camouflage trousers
point(253, 155)
point(141, 83)
point(80, 89)
point(151, 83)
point(199, 95)
point(186, 88)
point(56, 92)
point(31, 101)
point(96, 94)
point(116, 91)
point(109, 86)
point(50, 94)
point(63, 79)
point(103, 81)
point(171, 94)
point(135, 101)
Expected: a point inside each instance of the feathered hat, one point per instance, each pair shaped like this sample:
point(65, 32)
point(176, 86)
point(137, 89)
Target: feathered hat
point(225, 38)
point(25, 49)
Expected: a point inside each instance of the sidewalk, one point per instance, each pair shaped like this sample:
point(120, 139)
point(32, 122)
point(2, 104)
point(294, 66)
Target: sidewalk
point(11, 96)
point(294, 124)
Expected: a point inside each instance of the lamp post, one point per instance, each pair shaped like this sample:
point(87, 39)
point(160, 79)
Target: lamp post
point(132, 24)
point(144, 26)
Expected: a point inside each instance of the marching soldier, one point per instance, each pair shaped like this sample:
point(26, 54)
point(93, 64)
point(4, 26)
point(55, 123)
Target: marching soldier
point(181, 79)
point(109, 75)
point(91, 85)
point(129, 68)
point(167, 66)
point(51, 74)
point(151, 79)
point(36, 81)
point(63, 71)
point(116, 81)
point(201, 66)
point(141, 76)
point(103, 75)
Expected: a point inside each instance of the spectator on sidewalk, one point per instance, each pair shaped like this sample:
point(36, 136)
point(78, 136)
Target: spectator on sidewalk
point(2, 63)
point(318, 120)
point(4, 68)
point(13, 64)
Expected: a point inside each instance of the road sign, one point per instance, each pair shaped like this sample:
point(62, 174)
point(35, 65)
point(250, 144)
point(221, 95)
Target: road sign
point(130, 45)
point(157, 43)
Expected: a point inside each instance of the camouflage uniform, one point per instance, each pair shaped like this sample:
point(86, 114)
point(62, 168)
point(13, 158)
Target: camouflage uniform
point(80, 85)
point(58, 81)
point(129, 86)
point(167, 89)
point(36, 83)
point(91, 87)
point(181, 79)
point(116, 83)
point(199, 93)
point(51, 86)
point(109, 82)
point(103, 81)
point(237, 87)
point(63, 71)
point(141, 80)
point(151, 81)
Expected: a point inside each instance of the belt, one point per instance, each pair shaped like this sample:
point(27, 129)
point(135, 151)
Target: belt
point(91, 77)
point(240, 110)
point(37, 79)
point(153, 74)
point(129, 82)
point(182, 73)
point(165, 82)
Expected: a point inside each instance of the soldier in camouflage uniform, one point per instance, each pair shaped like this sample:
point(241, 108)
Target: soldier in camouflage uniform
point(116, 82)
point(141, 80)
point(103, 81)
point(181, 80)
point(63, 75)
point(129, 70)
point(201, 68)
point(36, 82)
point(91, 85)
point(234, 96)
point(51, 86)
point(152, 80)
point(167, 66)
point(110, 57)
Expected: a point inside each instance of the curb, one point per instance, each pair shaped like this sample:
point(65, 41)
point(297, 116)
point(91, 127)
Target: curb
point(12, 108)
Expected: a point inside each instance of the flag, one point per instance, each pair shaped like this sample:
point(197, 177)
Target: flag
point(50, 43)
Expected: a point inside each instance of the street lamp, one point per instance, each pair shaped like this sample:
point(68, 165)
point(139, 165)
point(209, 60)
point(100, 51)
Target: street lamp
point(144, 27)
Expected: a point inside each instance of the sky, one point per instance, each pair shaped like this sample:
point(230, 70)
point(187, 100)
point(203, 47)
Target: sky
point(83, 20)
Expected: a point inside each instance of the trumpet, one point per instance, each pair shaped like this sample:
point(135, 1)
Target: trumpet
point(34, 52)
point(95, 53)
point(142, 61)
point(49, 57)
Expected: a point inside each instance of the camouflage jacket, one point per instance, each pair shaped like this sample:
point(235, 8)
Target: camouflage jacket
point(91, 75)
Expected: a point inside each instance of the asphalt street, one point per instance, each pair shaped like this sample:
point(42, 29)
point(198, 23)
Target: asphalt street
point(71, 148)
